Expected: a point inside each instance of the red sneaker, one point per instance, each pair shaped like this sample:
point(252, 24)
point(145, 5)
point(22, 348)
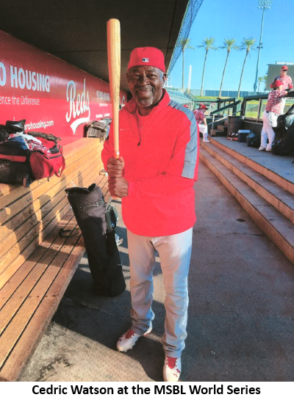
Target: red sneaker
point(127, 340)
point(172, 369)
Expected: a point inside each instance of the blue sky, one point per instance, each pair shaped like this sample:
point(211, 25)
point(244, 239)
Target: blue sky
point(237, 19)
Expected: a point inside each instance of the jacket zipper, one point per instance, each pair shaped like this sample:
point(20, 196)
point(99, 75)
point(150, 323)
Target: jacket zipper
point(138, 127)
point(149, 122)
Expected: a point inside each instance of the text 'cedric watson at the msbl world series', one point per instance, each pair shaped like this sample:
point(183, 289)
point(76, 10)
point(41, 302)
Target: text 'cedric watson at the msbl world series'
point(131, 389)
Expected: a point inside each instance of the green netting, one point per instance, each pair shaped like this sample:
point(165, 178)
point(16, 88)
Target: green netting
point(178, 96)
point(190, 14)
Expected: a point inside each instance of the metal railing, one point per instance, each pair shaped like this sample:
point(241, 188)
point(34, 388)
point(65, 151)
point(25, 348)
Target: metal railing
point(240, 107)
point(255, 112)
point(220, 119)
point(232, 106)
point(226, 107)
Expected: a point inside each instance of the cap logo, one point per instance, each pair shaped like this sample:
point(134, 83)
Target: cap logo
point(145, 59)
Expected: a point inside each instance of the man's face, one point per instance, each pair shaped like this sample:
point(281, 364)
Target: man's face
point(146, 84)
point(283, 72)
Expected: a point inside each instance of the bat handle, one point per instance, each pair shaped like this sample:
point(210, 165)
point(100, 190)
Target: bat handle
point(116, 131)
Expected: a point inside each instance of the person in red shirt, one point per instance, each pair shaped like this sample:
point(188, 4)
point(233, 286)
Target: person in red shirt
point(270, 116)
point(201, 121)
point(154, 177)
point(287, 83)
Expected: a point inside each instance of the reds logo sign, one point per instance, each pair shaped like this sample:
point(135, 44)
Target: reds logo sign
point(78, 106)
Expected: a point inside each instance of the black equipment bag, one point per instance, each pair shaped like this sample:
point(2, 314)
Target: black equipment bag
point(253, 140)
point(15, 164)
point(14, 161)
point(15, 126)
point(287, 119)
point(3, 133)
point(97, 221)
point(284, 145)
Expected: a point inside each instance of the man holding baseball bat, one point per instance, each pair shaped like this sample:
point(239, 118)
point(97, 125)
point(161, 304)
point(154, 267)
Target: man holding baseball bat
point(155, 176)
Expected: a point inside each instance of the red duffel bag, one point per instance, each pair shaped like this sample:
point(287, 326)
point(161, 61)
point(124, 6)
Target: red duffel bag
point(46, 159)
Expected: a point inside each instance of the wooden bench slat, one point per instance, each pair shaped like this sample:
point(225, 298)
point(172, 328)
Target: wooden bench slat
point(40, 320)
point(39, 225)
point(21, 258)
point(11, 254)
point(13, 267)
point(15, 233)
point(12, 285)
point(12, 333)
point(22, 222)
point(35, 314)
point(24, 290)
point(71, 148)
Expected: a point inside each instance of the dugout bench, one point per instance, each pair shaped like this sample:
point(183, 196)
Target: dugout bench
point(36, 263)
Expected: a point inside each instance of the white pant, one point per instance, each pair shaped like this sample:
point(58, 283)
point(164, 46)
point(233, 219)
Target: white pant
point(269, 121)
point(175, 254)
point(203, 130)
point(283, 104)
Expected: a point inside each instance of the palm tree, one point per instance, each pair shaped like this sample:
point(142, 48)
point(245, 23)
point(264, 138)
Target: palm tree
point(247, 44)
point(260, 79)
point(184, 44)
point(207, 43)
point(229, 45)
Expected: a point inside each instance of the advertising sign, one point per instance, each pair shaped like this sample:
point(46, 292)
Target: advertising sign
point(50, 94)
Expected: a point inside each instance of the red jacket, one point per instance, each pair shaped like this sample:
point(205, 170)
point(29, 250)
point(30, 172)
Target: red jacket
point(161, 166)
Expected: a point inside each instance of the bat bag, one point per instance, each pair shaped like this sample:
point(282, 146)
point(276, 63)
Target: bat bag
point(253, 140)
point(97, 221)
point(284, 145)
point(287, 119)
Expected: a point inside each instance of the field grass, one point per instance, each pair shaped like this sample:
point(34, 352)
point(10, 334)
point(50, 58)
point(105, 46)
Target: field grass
point(203, 98)
point(251, 107)
point(251, 114)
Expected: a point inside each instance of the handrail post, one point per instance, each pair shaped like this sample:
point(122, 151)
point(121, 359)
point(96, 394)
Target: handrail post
point(234, 109)
point(243, 108)
point(259, 109)
point(212, 121)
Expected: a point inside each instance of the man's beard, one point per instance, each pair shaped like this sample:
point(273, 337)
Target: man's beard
point(145, 101)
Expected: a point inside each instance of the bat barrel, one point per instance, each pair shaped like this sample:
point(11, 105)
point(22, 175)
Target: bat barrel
point(114, 66)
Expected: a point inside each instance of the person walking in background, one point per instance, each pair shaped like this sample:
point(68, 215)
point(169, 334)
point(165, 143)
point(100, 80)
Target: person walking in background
point(287, 83)
point(201, 121)
point(154, 176)
point(270, 115)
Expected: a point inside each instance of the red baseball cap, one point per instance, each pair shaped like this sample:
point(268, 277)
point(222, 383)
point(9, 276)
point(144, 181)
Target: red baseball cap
point(147, 56)
point(285, 68)
point(186, 105)
point(203, 106)
point(276, 84)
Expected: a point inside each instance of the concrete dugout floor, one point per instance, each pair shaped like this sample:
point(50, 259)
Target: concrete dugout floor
point(241, 320)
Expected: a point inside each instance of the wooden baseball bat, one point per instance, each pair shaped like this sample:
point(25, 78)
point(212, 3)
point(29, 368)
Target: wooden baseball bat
point(114, 65)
